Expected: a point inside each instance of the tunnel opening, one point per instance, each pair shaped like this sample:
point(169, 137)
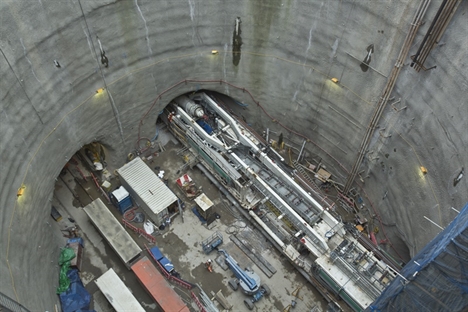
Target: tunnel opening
point(94, 156)
point(85, 170)
point(207, 133)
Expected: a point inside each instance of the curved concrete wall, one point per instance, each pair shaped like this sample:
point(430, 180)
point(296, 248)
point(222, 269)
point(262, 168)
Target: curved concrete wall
point(288, 52)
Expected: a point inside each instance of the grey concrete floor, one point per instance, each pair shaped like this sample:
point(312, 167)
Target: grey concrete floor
point(181, 243)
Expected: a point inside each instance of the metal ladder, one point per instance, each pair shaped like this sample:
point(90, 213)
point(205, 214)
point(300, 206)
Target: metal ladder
point(313, 185)
point(303, 173)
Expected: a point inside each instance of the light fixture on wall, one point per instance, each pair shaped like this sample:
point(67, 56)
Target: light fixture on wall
point(20, 191)
point(214, 52)
point(423, 169)
point(335, 80)
point(100, 90)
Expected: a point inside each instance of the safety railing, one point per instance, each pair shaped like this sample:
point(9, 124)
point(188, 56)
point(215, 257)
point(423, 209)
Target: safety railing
point(10, 304)
point(139, 231)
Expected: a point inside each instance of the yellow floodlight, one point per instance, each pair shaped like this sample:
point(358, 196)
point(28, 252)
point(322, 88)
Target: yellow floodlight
point(20, 191)
point(335, 80)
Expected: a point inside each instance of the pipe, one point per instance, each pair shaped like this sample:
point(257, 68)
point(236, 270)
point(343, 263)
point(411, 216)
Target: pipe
point(277, 154)
point(295, 217)
point(386, 93)
point(436, 32)
point(428, 33)
point(263, 227)
point(302, 149)
point(444, 27)
point(201, 133)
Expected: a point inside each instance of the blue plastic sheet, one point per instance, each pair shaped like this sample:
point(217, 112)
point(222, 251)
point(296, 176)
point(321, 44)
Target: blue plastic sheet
point(76, 240)
point(76, 298)
point(205, 126)
point(166, 264)
point(157, 254)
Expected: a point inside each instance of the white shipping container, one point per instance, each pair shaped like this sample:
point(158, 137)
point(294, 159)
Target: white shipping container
point(147, 189)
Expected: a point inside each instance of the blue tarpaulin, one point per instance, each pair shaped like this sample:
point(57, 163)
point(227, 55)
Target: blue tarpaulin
point(166, 264)
point(157, 254)
point(205, 126)
point(76, 298)
point(76, 240)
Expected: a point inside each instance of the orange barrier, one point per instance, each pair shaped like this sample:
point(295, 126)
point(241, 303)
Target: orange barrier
point(139, 231)
point(197, 302)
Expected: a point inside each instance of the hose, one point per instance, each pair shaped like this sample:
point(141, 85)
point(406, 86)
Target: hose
point(241, 104)
point(129, 215)
point(148, 143)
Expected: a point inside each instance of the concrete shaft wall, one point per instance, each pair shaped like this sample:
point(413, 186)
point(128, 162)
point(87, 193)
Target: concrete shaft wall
point(287, 51)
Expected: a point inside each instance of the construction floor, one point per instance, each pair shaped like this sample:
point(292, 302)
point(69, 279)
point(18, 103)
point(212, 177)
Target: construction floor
point(181, 243)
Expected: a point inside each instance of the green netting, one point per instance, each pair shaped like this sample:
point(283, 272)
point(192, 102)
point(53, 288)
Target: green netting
point(64, 261)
